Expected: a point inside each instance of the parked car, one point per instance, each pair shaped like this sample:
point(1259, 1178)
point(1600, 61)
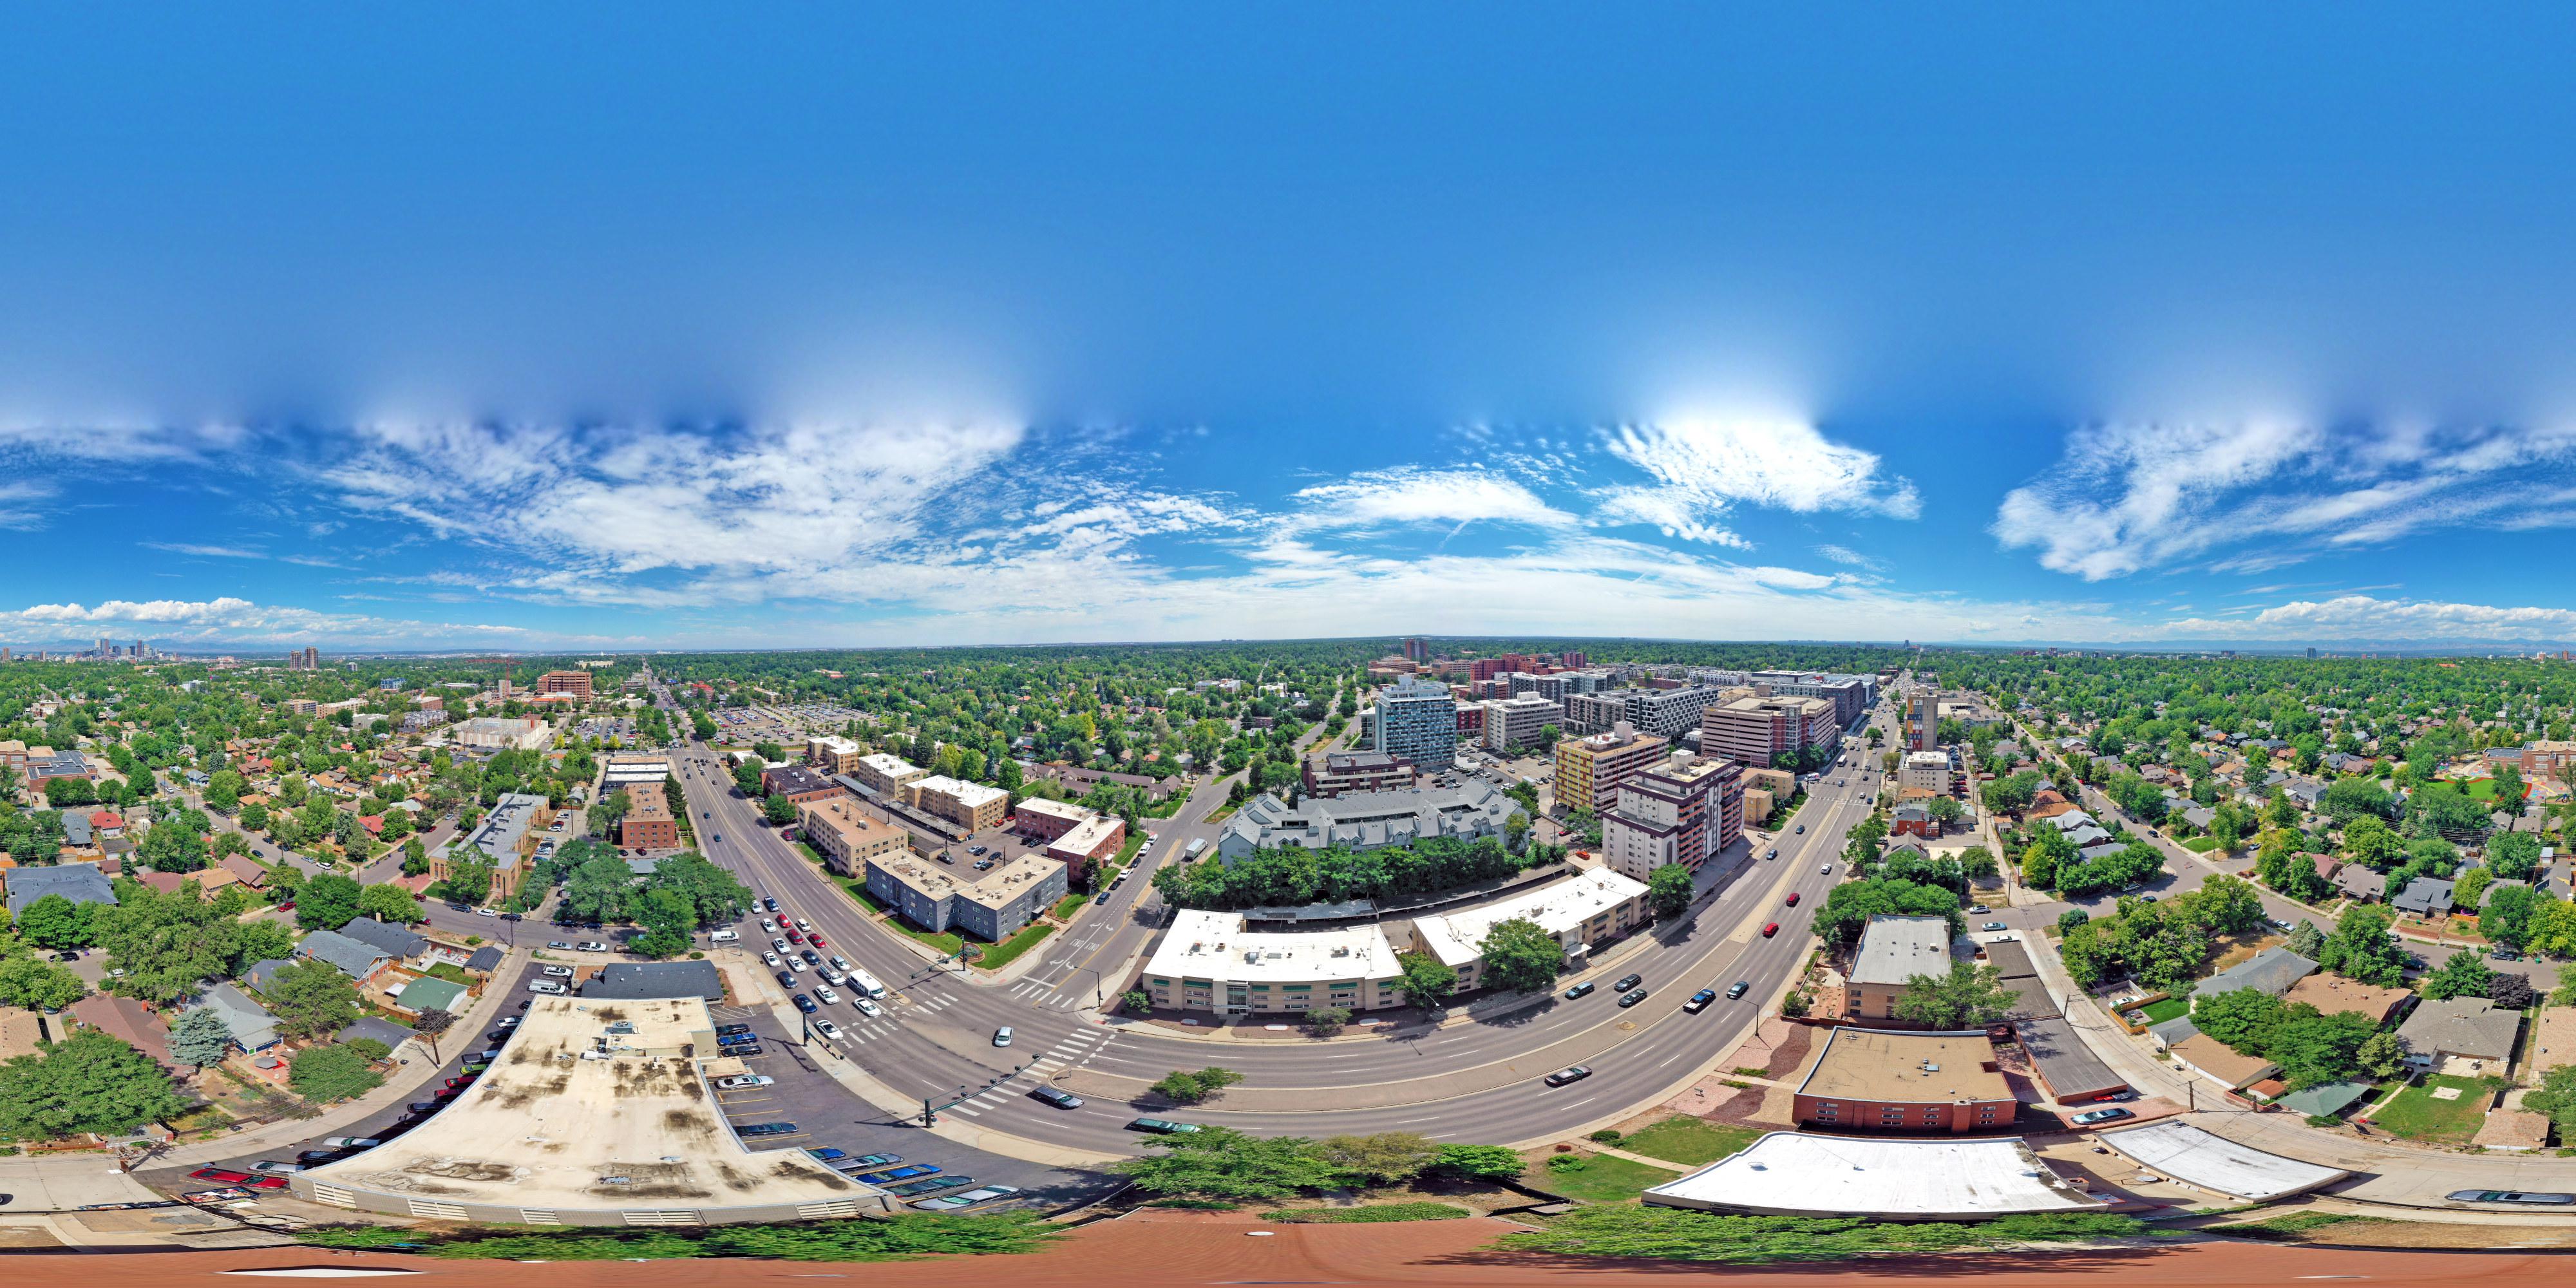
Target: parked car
point(825, 1153)
point(736, 1039)
point(724, 936)
point(727, 1030)
point(350, 1142)
point(595, 946)
point(929, 1185)
point(865, 1162)
point(2092, 1116)
point(1569, 1074)
point(756, 1130)
point(742, 1080)
point(547, 986)
point(2528, 1198)
point(219, 1175)
point(275, 1167)
point(888, 1176)
point(951, 1202)
point(556, 972)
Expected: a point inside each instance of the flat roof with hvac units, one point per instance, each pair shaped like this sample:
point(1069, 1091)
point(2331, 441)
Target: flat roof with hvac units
point(2209, 1161)
point(1884, 1178)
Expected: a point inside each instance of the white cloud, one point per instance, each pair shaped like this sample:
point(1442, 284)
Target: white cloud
point(1847, 555)
point(2363, 617)
point(1409, 495)
point(1701, 468)
point(212, 552)
point(232, 622)
point(2126, 498)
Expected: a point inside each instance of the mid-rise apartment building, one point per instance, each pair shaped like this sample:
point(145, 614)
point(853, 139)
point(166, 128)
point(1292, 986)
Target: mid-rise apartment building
point(971, 806)
point(1758, 731)
point(1337, 772)
point(1518, 722)
point(1209, 961)
point(576, 683)
point(833, 754)
point(847, 835)
point(1667, 713)
point(1077, 836)
point(1417, 721)
point(1595, 712)
point(1681, 811)
point(649, 824)
point(887, 775)
point(1593, 907)
point(1931, 771)
point(502, 839)
point(1590, 769)
point(1922, 721)
point(990, 905)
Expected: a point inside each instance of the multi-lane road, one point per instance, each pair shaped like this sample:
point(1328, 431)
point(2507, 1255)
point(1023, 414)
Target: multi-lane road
point(1473, 1080)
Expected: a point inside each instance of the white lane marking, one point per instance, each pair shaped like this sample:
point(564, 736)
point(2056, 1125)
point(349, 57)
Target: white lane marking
point(963, 1110)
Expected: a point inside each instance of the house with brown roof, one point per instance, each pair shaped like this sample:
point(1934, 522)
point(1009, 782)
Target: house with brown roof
point(21, 1030)
point(126, 1020)
point(245, 870)
point(2331, 993)
point(2220, 1063)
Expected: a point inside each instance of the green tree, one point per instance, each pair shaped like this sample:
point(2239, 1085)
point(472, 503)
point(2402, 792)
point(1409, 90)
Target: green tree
point(2506, 918)
point(1137, 1001)
point(391, 904)
point(715, 895)
point(326, 1074)
point(260, 940)
point(1969, 996)
point(469, 879)
point(2466, 974)
point(1476, 1163)
point(667, 917)
point(1426, 981)
point(2224, 904)
point(88, 1082)
point(1668, 890)
point(1521, 956)
point(223, 790)
point(1386, 1158)
point(166, 943)
point(200, 1037)
point(601, 888)
point(1325, 1021)
point(2380, 1056)
point(38, 985)
point(327, 902)
point(1184, 1087)
point(56, 923)
point(2362, 948)
point(1219, 1164)
point(1850, 905)
point(2514, 856)
point(2306, 940)
point(415, 858)
point(2243, 1019)
point(311, 999)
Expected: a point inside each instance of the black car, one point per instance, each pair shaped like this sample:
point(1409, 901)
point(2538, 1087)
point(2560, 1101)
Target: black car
point(806, 1004)
point(421, 1107)
point(2531, 1198)
point(1738, 989)
point(1570, 1073)
point(765, 1129)
point(1627, 982)
point(745, 1052)
point(766, 902)
point(811, 957)
point(1699, 1001)
point(728, 1030)
point(1632, 999)
point(787, 978)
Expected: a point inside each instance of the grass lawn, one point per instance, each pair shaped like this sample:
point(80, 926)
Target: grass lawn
point(1003, 953)
point(2200, 844)
point(946, 941)
point(2416, 1115)
point(1067, 906)
point(1371, 1212)
point(1689, 1141)
point(2169, 1009)
point(810, 852)
point(1601, 1178)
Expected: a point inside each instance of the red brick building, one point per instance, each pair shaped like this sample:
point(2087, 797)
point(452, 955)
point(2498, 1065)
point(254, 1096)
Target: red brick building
point(576, 683)
point(1878, 1080)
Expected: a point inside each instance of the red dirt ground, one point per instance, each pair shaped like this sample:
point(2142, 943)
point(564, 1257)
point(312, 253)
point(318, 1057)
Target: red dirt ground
point(1147, 1251)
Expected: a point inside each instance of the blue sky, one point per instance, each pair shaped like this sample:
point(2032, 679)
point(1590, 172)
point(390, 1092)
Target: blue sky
point(496, 328)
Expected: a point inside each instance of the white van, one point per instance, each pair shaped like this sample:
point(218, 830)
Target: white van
point(866, 983)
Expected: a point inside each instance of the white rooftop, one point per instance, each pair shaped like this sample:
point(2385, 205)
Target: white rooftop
point(1214, 945)
point(889, 765)
point(970, 795)
point(1559, 908)
point(1896, 949)
point(1789, 1173)
point(2213, 1162)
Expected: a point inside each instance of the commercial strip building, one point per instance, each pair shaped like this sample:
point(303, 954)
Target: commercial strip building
point(1878, 1178)
point(1884, 1080)
point(1593, 906)
point(1471, 811)
point(1893, 950)
point(1209, 962)
point(798, 783)
point(649, 823)
point(1417, 721)
point(1336, 773)
point(625, 771)
point(1591, 768)
point(846, 835)
point(991, 905)
point(600, 1116)
point(1681, 811)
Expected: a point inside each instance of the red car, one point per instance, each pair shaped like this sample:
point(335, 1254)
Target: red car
point(793, 936)
point(218, 1175)
point(1793, 898)
point(787, 834)
point(820, 942)
point(459, 1082)
point(1770, 930)
point(268, 1182)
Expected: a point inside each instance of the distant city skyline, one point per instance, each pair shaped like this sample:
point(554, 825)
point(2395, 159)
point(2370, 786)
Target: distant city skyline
point(852, 330)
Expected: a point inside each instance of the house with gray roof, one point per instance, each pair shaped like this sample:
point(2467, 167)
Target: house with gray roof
point(2270, 972)
point(2358, 882)
point(76, 830)
point(262, 975)
point(397, 942)
point(2199, 816)
point(78, 882)
point(2426, 897)
point(357, 960)
point(2467, 1036)
point(382, 1030)
point(253, 1028)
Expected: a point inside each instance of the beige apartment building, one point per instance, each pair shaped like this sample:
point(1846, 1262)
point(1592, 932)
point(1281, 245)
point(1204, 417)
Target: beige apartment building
point(972, 806)
point(833, 755)
point(887, 775)
point(1590, 770)
point(847, 836)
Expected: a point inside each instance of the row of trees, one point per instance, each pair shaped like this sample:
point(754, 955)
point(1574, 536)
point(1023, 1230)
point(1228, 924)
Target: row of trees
point(2160, 944)
point(1292, 875)
point(1222, 1165)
